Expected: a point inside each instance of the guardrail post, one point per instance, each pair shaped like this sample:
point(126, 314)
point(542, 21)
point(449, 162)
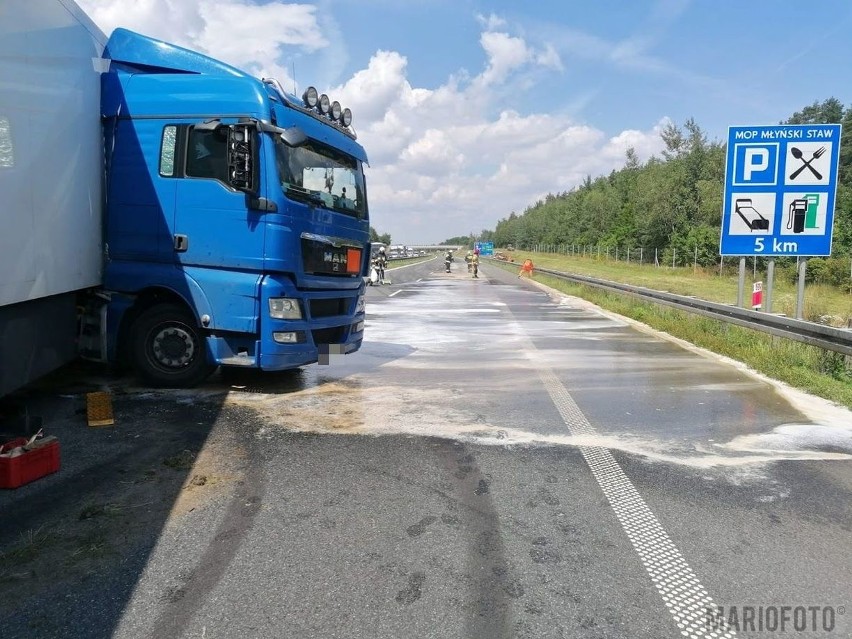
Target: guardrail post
point(640, 255)
point(741, 284)
point(800, 294)
point(770, 279)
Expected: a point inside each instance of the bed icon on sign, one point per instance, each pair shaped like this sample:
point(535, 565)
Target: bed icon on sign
point(750, 215)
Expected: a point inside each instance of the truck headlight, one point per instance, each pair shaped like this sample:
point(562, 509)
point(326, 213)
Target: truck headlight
point(292, 337)
point(284, 308)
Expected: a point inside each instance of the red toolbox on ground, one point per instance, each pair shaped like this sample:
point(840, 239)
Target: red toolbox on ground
point(21, 463)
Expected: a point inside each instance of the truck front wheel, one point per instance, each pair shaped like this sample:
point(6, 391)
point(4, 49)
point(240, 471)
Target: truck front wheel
point(167, 347)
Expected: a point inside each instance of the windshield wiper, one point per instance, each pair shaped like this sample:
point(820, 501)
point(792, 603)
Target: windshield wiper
point(303, 195)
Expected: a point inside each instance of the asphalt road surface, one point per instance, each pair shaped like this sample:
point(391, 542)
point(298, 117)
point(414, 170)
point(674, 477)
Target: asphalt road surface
point(497, 460)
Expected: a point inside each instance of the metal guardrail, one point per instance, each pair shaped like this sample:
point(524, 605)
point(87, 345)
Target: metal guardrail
point(828, 337)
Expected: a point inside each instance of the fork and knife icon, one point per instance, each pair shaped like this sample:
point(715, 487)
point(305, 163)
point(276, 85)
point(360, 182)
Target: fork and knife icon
point(806, 164)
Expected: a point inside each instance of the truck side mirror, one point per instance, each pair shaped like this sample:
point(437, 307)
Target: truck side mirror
point(294, 136)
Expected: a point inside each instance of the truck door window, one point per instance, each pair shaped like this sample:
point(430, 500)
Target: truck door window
point(206, 154)
point(167, 151)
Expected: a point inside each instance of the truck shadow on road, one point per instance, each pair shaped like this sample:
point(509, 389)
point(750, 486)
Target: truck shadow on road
point(75, 545)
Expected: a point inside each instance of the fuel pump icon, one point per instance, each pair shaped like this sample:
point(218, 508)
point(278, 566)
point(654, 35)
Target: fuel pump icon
point(796, 215)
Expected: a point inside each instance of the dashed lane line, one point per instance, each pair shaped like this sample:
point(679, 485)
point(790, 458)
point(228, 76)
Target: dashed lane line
point(683, 594)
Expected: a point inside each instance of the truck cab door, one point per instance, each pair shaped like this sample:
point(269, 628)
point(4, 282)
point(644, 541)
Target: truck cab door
point(214, 224)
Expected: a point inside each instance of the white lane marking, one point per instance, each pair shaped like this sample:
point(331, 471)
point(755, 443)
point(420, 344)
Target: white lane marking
point(687, 600)
point(395, 293)
point(420, 280)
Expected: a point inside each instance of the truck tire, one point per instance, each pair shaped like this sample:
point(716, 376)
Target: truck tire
point(167, 349)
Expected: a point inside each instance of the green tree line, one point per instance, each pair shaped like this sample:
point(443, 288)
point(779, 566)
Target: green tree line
point(385, 238)
point(671, 203)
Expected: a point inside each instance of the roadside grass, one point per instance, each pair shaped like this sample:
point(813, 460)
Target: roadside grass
point(405, 261)
point(93, 545)
point(814, 370)
point(14, 562)
point(73, 543)
point(92, 511)
point(183, 460)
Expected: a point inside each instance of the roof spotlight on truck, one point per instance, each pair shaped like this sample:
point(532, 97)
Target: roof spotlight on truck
point(310, 97)
point(324, 106)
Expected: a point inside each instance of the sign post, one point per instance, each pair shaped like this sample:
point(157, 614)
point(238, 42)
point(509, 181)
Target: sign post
point(780, 186)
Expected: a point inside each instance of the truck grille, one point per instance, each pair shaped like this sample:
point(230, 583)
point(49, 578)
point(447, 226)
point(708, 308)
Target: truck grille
point(329, 307)
point(334, 335)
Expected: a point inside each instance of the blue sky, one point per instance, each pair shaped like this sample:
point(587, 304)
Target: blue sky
point(471, 110)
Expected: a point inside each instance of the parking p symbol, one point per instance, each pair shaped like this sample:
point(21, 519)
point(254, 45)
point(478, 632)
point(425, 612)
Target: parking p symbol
point(756, 164)
point(756, 161)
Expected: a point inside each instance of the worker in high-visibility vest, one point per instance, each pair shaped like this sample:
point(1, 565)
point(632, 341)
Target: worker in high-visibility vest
point(526, 267)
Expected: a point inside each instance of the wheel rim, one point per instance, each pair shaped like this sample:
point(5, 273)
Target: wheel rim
point(171, 347)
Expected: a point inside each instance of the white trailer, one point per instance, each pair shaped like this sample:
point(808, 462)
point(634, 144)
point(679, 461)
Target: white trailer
point(51, 173)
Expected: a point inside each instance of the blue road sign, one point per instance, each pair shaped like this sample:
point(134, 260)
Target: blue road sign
point(780, 184)
point(485, 248)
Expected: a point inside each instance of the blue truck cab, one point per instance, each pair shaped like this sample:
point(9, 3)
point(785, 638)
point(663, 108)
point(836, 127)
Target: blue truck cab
point(236, 228)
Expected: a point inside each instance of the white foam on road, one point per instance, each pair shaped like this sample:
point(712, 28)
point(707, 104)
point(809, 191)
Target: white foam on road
point(821, 411)
point(425, 413)
point(794, 437)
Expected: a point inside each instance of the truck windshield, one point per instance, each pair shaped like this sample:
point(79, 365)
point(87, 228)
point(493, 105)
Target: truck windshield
point(320, 175)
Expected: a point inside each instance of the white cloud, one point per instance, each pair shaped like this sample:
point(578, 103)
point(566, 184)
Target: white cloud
point(490, 22)
point(248, 36)
point(505, 54)
point(373, 91)
point(434, 150)
point(444, 160)
point(549, 57)
point(644, 143)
